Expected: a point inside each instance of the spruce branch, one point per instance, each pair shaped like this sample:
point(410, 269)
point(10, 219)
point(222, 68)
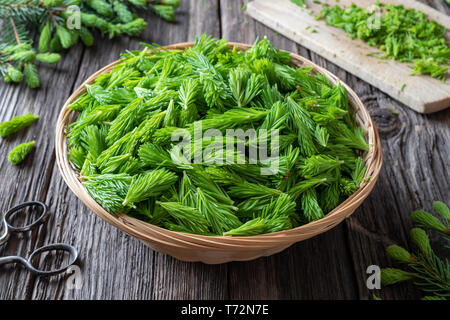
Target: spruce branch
point(16, 35)
point(428, 272)
point(54, 20)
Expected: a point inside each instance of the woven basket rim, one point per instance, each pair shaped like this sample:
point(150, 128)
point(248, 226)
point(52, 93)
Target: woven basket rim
point(151, 233)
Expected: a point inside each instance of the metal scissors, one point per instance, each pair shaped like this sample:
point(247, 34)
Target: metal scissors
point(28, 264)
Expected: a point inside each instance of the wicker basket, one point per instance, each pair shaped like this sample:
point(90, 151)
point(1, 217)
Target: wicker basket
point(209, 249)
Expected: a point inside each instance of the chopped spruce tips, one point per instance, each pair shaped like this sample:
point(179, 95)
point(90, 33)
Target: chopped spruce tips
point(406, 35)
point(18, 154)
point(300, 3)
point(431, 67)
point(16, 124)
point(214, 141)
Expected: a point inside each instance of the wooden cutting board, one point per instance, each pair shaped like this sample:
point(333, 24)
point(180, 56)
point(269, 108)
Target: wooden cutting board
point(422, 93)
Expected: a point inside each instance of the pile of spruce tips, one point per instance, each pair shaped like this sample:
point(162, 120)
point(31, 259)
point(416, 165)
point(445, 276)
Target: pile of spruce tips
point(121, 142)
point(406, 35)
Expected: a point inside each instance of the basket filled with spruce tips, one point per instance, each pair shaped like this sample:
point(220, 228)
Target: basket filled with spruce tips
point(215, 151)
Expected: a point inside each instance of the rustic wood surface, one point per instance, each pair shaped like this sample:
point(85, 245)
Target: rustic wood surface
point(116, 266)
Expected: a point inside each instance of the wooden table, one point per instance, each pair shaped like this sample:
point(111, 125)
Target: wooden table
point(116, 266)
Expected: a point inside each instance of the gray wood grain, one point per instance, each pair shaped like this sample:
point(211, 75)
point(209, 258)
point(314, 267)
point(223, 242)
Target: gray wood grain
point(116, 266)
point(30, 180)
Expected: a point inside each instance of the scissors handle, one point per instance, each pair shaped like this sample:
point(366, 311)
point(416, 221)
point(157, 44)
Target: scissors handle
point(61, 247)
point(8, 228)
point(42, 218)
point(13, 259)
point(4, 236)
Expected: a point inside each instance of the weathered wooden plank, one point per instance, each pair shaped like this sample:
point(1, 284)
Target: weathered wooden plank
point(295, 273)
point(115, 265)
point(441, 6)
point(29, 181)
point(174, 279)
point(318, 268)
